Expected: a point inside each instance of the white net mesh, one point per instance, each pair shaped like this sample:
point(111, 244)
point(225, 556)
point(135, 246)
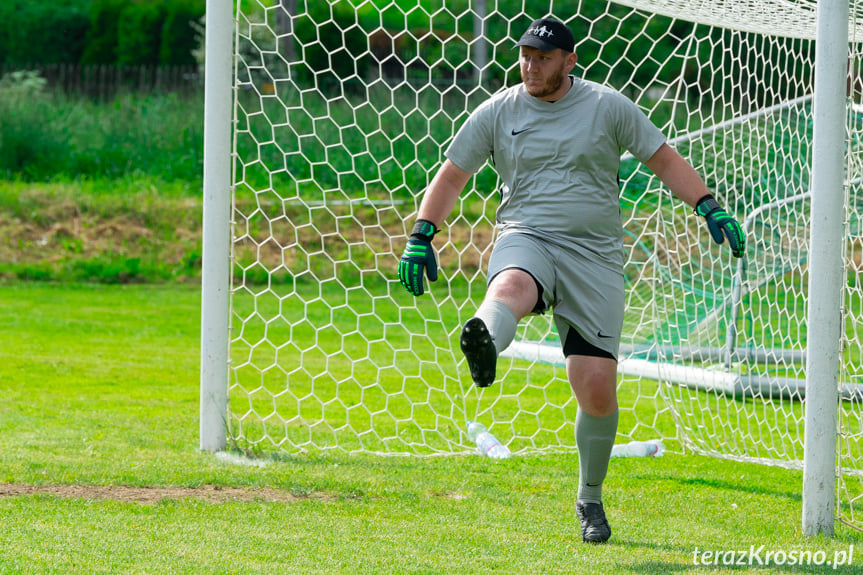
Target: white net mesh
point(343, 111)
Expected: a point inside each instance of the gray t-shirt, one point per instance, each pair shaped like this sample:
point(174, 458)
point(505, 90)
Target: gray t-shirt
point(559, 161)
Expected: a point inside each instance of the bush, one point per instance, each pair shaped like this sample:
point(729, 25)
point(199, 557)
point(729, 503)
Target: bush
point(42, 32)
point(140, 32)
point(101, 42)
point(45, 135)
point(179, 39)
point(146, 32)
point(29, 127)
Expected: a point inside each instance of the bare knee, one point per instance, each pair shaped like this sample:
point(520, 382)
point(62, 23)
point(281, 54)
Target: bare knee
point(594, 382)
point(517, 289)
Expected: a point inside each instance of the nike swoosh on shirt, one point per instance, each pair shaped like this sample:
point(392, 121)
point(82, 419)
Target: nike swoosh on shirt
point(517, 132)
point(602, 335)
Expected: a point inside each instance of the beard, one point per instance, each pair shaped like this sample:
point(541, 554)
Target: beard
point(552, 84)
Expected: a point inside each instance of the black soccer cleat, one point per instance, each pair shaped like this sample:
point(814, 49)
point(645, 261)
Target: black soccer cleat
point(478, 347)
point(594, 525)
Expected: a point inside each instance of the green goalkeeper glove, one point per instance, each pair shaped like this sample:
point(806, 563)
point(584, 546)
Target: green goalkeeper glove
point(722, 225)
point(418, 258)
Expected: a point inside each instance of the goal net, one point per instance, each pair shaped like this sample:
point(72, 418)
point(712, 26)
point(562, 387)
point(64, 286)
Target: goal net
point(342, 112)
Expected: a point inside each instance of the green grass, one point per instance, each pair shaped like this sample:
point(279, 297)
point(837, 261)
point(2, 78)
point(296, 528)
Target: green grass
point(100, 388)
point(327, 367)
point(46, 135)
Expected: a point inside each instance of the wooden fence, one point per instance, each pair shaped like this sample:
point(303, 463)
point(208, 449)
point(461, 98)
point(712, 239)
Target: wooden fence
point(106, 82)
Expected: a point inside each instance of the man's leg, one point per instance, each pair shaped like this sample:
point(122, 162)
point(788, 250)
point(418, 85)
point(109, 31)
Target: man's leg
point(594, 381)
point(511, 295)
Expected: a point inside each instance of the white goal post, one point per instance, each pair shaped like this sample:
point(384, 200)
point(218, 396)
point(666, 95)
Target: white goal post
point(826, 271)
point(216, 250)
point(326, 120)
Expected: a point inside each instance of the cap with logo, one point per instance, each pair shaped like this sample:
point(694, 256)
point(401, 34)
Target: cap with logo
point(547, 34)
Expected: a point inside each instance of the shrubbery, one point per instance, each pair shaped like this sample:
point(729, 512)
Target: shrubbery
point(139, 34)
point(402, 37)
point(45, 135)
point(101, 47)
point(43, 32)
point(150, 32)
point(178, 39)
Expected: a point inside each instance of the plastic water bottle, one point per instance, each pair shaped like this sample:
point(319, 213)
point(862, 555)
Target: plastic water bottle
point(650, 448)
point(486, 443)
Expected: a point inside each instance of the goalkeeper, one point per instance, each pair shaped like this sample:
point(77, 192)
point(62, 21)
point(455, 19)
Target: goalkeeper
point(555, 141)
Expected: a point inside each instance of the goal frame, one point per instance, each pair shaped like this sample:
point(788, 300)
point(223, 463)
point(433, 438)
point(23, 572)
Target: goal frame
point(826, 273)
point(826, 277)
point(216, 242)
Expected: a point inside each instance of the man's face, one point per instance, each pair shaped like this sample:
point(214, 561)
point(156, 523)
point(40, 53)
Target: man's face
point(543, 72)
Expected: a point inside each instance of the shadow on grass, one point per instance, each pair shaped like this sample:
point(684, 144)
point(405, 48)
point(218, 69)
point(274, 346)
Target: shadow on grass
point(721, 484)
point(736, 487)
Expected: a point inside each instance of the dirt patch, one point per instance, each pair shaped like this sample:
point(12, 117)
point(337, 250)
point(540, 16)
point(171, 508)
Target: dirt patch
point(59, 233)
point(54, 233)
point(152, 495)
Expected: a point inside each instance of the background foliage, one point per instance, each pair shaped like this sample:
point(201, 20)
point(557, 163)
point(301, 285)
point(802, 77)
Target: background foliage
point(154, 32)
point(391, 97)
point(428, 39)
point(43, 32)
point(45, 135)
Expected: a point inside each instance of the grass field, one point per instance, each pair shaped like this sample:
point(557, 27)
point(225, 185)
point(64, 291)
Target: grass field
point(100, 472)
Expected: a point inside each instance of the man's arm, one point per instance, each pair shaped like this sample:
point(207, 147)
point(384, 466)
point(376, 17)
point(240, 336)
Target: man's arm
point(685, 183)
point(676, 173)
point(441, 195)
point(437, 203)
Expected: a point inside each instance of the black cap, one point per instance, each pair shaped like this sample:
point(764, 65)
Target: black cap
point(547, 34)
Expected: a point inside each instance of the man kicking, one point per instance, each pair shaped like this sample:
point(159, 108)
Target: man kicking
point(556, 140)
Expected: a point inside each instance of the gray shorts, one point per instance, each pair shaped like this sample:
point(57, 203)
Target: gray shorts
point(584, 295)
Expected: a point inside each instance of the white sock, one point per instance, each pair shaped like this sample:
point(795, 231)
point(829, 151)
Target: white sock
point(500, 321)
